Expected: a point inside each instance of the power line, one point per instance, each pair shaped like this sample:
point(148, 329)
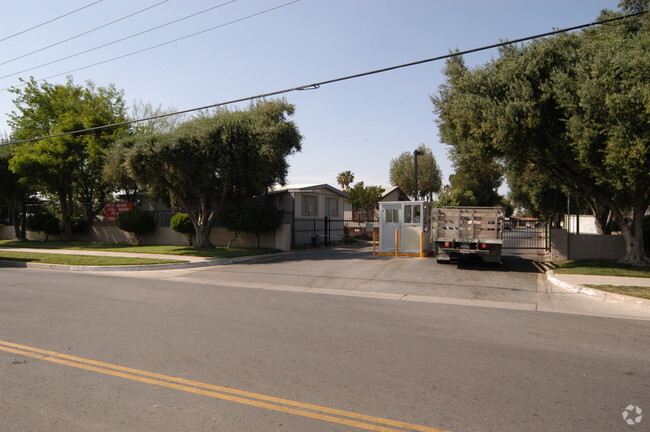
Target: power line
point(166, 43)
point(115, 41)
point(317, 85)
point(49, 21)
point(81, 34)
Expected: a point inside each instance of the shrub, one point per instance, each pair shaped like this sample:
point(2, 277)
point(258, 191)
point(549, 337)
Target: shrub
point(182, 224)
point(254, 219)
point(44, 222)
point(36, 222)
point(136, 222)
point(51, 226)
point(236, 221)
point(80, 226)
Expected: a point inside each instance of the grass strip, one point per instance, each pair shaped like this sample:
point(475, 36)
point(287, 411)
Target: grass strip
point(79, 260)
point(634, 291)
point(601, 268)
point(217, 252)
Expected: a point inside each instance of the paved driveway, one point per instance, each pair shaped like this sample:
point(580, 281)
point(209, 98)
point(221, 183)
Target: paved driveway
point(357, 272)
point(516, 283)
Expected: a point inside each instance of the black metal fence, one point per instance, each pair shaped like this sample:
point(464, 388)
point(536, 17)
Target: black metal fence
point(535, 235)
point(328, 231)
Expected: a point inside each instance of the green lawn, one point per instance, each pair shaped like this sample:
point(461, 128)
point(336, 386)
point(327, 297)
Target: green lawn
point(218, 252)
point(634, 291)
point(601, 268)
point(80, 260)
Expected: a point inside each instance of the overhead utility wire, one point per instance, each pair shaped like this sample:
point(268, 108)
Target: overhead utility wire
point(82, 34)
point(49, 21)
point(154, 46)
point(110, 43)
point(319, 84)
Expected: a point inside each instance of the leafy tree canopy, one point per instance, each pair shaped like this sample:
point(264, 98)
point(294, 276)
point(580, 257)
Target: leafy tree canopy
point(210, 159)
point(67, 167)
point(572, 108)
point(365, 198)
point(402, 173)
point(345, 179)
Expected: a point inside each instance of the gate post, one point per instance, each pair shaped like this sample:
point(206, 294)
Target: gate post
point(326, 231)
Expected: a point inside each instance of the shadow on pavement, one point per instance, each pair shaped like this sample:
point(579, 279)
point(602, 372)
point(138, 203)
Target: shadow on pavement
point(510, 263)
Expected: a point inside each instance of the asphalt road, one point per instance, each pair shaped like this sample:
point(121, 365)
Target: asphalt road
point(192, 351)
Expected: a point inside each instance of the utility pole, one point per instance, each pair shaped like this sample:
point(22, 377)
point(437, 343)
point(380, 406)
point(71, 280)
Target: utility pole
point(416, 153)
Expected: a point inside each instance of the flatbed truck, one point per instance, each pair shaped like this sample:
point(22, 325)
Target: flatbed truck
point(458, 232)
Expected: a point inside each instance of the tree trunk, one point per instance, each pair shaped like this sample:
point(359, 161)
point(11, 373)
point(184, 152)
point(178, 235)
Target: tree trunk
point(632, 231)
point(202, 234)
point(66, 215)
point(15, 216)
point(23, 222)
point(232, 240)
point(633, 243)
point(601, 217)
point(90, 214)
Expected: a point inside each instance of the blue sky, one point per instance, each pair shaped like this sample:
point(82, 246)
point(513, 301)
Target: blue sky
point(357, 125)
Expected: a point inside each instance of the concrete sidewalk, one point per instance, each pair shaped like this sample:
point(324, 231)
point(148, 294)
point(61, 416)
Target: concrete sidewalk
point(575, 283)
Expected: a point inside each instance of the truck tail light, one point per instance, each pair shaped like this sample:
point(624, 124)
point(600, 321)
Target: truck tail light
point(483, 246)
point(447, 244)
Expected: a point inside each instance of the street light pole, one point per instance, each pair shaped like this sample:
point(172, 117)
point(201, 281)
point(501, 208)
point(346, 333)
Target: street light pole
point(416, 153)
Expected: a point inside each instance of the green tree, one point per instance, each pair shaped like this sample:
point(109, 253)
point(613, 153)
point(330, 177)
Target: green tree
point(255, 219)
point(141, 110)
point(365, 199)
point(479, 174)
point(402, 174)
point(573, 107)
point(66, 167)
point(236, 220)
point(181, 223)
point(450, 196)
point(136, 222)
point(14, 193)
point(211, 159)
point(345, 179)
point(265, 218)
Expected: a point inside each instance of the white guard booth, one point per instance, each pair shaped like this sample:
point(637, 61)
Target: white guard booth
point(408, 223)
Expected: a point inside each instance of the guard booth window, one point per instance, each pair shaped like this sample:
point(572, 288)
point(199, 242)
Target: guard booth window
point(391, 215)
point(412, 214)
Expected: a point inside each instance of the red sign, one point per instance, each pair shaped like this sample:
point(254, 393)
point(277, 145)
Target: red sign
point(114, 209)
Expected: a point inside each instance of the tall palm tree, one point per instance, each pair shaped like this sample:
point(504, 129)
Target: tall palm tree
point(345, 179)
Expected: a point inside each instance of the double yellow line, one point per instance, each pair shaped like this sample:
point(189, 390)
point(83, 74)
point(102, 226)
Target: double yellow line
point(288, 406)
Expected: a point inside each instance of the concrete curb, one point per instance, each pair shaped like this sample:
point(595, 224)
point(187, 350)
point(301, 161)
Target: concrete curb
point(208, 262)
point(596, 293)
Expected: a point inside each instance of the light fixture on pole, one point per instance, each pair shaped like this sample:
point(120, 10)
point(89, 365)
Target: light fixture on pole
point(416, 153)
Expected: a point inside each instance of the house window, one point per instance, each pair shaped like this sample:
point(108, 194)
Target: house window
point(309, 205)
point(332, 207)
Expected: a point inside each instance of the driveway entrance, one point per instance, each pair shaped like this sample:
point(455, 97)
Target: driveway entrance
point(355, 270)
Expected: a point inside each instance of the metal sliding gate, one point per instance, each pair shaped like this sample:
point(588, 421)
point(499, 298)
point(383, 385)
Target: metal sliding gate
point(534, 235)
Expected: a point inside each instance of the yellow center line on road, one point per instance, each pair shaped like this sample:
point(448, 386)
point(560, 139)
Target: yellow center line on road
point(288, 406)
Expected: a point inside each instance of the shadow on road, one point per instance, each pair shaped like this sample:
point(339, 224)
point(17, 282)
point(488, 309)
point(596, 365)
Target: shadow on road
point(509, 263)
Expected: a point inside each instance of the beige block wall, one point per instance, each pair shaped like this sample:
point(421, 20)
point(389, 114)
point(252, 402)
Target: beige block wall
point(6, 232)
point(586, 246)
point(280, 239)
